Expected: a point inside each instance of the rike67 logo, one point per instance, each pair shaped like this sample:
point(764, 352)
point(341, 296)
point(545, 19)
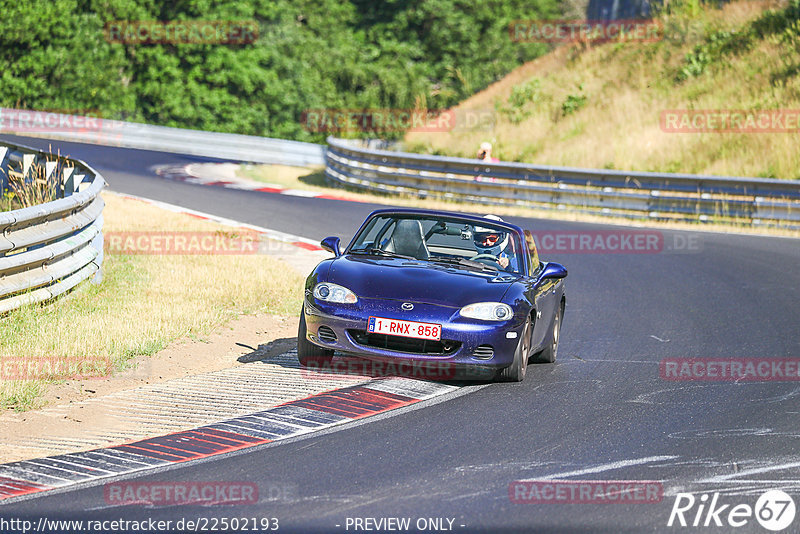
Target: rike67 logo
point(774, 510)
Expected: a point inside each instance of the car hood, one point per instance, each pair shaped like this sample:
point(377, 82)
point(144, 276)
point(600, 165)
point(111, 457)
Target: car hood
point(417, 281)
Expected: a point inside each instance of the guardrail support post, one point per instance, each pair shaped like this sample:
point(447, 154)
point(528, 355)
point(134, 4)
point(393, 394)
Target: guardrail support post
point(3, 169)
point(97, 244)
point(77, 180)
point(67, 181)
point(27, 162)
point(49, 170)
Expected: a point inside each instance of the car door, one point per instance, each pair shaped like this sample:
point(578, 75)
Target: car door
point(542, 294)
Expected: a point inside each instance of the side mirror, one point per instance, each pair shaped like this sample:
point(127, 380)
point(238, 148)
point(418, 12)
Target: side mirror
point(553, 270)
point(331, 244)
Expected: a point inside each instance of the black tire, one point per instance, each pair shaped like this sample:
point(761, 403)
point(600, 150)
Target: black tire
point(308, 354)
point(549, 354)
point(516, 371)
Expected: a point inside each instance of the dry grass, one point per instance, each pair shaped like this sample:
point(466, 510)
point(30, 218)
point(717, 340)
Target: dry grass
point(144, 301)
point(284, 175)
point(626, 86)
point(32, 186)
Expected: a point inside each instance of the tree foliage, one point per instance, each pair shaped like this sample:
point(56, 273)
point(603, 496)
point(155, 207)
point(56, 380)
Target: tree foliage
point(310, 54)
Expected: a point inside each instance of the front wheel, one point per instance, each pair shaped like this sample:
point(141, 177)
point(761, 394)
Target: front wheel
point(516, 371)
point(308, 354)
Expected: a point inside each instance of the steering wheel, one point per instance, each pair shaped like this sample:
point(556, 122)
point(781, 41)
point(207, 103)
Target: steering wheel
point(484, 257)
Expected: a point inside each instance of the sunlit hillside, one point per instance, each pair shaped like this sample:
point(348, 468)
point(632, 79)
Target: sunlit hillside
point(600, 106)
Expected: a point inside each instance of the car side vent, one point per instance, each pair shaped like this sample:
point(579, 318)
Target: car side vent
point(483, 352)
point(326, 335)
point(503, 278)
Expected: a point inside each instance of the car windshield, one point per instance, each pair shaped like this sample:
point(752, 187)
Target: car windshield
point(458, 242)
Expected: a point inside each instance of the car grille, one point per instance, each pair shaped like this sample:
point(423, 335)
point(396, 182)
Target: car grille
point(483, 352)
point(326, 335)
point(404, 344)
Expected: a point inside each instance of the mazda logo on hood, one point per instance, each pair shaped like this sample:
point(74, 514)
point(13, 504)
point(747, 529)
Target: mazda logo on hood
point(407, 306)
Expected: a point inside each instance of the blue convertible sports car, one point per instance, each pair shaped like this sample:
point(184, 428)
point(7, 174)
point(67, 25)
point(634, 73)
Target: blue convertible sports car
point(437, 288)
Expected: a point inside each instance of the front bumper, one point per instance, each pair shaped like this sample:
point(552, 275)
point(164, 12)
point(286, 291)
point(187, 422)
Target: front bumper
point(461, 337)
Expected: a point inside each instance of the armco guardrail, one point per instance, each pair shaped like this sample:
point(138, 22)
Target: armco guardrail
point(639, 195)
point(100, 131)
point(48, 249)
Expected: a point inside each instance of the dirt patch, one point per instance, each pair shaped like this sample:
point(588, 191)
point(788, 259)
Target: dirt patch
point(245, 340)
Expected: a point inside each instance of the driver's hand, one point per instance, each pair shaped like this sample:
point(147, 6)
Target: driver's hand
point(503, 261)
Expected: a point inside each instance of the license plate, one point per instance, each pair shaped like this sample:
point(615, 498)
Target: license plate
point(396, 327)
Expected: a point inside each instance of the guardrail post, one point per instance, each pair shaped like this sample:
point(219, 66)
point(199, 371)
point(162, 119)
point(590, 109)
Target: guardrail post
point(27, 162)
point(67, 181)
point(50, 168)
point(97, 244)
point(3, 169)
point(77, 181)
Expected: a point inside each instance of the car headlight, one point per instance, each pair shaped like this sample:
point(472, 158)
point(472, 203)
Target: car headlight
point(488, 311)
point(334, 293)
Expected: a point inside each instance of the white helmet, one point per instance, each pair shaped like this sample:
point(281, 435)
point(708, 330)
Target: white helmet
point(490, 240)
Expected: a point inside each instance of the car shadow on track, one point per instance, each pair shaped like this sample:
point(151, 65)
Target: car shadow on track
point(351, 368)
point(267, 351)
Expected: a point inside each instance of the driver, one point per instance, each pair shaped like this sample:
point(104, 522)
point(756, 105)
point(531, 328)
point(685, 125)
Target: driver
point(496, 243)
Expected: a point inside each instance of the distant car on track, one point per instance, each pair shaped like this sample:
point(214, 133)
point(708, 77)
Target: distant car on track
point(434, 287)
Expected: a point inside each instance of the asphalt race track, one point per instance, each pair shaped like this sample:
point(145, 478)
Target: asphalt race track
point(602, 412)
